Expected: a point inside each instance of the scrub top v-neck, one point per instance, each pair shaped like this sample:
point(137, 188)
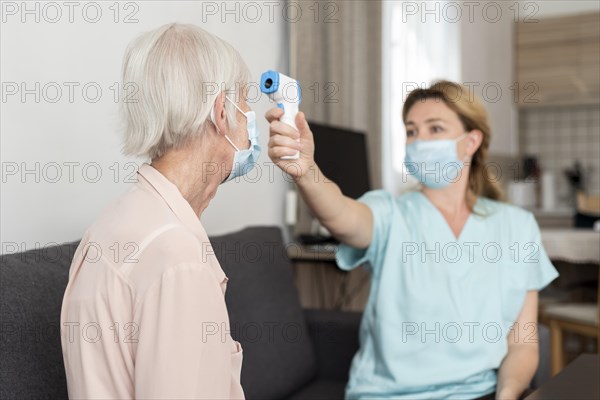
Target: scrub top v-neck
point(440, 307)
point(443, 222)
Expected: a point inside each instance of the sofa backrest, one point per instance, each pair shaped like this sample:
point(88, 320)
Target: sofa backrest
point(265, 313)
point(32, 284)
point(264, 310)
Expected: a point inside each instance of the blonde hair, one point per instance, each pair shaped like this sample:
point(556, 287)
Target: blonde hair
point(473, 115)
point(171, 79)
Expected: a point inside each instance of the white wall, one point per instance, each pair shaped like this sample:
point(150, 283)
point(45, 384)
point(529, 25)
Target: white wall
point(487, 60)
point(39, 208)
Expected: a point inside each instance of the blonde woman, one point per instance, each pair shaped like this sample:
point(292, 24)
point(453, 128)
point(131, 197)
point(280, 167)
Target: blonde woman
point(144, 313)
point(455, 272)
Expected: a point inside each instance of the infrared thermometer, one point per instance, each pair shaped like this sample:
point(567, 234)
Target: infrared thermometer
point(284, 91)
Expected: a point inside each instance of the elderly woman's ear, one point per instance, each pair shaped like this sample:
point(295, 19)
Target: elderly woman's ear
point(219, 114)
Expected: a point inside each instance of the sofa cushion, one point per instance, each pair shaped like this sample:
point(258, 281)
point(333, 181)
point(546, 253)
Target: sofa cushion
point(334, 335)
point(321, 389)
point(265, 313)
point(32, 284)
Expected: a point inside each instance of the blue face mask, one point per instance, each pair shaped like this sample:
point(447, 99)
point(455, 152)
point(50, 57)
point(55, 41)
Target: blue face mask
point(243, 160)
point(434, 163)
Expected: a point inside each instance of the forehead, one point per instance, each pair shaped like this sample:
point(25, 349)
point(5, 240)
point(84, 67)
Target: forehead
point(423, 110)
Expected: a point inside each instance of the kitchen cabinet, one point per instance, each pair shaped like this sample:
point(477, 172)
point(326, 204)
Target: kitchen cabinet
point(558, 61)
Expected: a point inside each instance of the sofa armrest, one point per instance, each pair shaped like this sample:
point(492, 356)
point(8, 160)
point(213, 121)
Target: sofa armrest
point(543, 373)
point(334, 336)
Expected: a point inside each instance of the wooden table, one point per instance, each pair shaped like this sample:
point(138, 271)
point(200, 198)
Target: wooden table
point(579, 380)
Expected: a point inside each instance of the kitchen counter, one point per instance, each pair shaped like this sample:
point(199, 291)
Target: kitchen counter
point(560, 217)
point(572, 245)
point(566, 212)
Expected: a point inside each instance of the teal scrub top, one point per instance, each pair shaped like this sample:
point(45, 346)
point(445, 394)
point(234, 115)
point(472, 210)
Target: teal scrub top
point(440, 307)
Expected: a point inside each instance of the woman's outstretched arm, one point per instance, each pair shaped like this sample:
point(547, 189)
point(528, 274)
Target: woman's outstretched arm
point(348, 220)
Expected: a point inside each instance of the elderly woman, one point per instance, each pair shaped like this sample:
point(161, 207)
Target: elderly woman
point(455, 272)
point(144, 314)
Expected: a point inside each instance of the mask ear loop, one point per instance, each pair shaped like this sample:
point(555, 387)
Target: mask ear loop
point(230, 142)
point(235, 105)
point(241, 111)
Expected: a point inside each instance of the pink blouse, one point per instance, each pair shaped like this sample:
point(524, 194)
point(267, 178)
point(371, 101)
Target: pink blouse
point(144, 314)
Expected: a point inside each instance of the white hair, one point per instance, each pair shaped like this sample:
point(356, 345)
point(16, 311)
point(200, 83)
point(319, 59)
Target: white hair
point(171, 79)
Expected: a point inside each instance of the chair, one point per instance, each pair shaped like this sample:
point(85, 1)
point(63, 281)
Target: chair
point(580, 318)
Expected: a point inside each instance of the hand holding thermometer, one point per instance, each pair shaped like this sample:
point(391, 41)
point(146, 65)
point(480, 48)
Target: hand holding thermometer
point(284, 91)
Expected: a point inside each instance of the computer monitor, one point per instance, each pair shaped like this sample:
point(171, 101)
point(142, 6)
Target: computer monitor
point(342, 156)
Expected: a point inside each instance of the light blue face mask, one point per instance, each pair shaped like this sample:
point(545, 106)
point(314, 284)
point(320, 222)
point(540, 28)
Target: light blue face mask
point(434, 163)
point(243, 160)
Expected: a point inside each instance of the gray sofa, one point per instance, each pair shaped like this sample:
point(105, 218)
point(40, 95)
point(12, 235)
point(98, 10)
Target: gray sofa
point(288, 352)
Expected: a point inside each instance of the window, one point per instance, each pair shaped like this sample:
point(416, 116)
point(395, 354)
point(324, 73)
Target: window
point(420, 44)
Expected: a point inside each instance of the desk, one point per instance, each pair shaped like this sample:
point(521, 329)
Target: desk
point(322, 285)
point(579, 380)
point(320, 253)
